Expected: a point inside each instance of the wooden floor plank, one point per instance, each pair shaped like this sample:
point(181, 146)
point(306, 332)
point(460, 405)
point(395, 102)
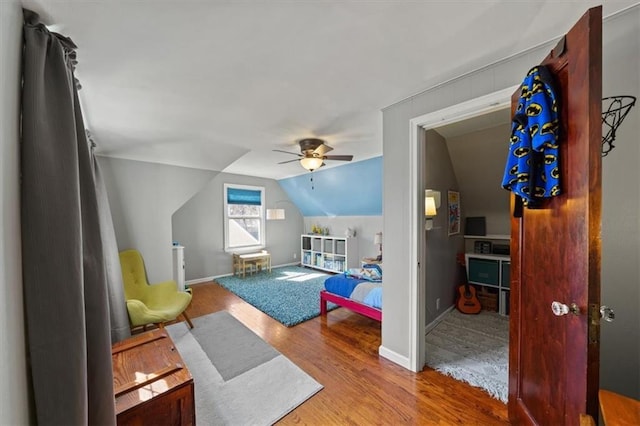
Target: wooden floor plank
point(360, 387)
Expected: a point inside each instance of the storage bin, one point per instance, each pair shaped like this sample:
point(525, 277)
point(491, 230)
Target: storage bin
point(506, 274)
point(483, 271)
point(488, 300)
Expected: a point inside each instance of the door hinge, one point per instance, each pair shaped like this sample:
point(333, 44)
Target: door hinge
point(594, 323)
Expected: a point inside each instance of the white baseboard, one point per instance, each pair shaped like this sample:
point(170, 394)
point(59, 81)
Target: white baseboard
point(392, 356)
point(402, 360)
point(436, 321)
point(287, 264)
point(207, 279)
point(198, 280)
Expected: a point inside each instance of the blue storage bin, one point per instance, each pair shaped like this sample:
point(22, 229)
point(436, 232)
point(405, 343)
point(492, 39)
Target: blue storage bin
point(506, 274)
point(484, 271)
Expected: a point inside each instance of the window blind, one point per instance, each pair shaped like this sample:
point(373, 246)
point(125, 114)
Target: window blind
point(244, 196)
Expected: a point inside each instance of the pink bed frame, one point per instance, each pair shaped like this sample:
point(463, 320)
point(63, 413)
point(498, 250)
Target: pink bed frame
point(352, 305)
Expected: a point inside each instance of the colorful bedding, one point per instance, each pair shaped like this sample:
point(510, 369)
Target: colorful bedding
point(371, 273)
point(341, 285)
point(359, 290)
point(369, 294)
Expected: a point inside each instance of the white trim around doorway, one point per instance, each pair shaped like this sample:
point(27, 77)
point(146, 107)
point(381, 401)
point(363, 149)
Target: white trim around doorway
point(455, 113)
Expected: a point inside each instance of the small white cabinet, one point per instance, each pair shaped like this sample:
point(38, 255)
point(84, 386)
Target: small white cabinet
point(178, 266)
point(329, 253)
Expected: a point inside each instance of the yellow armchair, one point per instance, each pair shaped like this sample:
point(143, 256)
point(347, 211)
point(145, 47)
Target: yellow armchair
point(150, 304)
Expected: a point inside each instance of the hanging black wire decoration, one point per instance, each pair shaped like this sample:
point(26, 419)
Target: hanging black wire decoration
point(617, 110)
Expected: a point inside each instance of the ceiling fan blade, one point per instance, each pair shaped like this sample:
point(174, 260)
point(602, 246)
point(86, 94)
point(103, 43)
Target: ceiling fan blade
point(287, 152)
point(288, 161)
point(338, 157)
point(321, 150)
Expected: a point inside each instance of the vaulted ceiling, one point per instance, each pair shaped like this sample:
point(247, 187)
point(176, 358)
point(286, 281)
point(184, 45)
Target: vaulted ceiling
point(219, 84)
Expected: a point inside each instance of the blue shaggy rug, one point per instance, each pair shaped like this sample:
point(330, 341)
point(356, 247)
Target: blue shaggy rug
point(289, 294)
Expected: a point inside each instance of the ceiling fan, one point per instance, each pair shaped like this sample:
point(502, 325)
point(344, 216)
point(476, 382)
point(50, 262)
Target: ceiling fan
point(313, 154)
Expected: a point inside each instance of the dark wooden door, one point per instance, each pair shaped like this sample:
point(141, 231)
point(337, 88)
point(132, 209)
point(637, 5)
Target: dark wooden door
point(555, 250)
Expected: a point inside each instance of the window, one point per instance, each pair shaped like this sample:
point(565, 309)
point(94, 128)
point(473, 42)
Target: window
point(243, 217)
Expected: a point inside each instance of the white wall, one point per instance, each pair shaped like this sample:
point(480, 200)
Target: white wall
point(397, 177)
point(620, 288)
point(442, 272)
point(14, 395)
point(480, 190)
point(199, 226)
point(620, 348)
point(365, 227)
point(143, 197)
point(396, 326)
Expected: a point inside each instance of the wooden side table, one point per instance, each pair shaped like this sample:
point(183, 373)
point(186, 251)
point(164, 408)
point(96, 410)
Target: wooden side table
point(151, 383)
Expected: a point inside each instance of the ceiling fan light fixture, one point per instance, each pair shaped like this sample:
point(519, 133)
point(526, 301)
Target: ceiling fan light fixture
point(311, 163)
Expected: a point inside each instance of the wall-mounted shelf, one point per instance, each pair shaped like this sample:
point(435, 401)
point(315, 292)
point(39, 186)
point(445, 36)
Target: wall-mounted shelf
point(488, 237)
point(483, 244)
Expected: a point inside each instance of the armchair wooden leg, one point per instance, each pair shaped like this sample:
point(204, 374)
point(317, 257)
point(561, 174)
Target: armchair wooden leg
point(186, 317)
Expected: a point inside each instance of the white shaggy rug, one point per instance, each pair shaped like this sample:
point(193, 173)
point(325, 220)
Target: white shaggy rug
point(473, 349)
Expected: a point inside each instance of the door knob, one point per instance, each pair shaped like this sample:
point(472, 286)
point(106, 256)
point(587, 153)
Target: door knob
point(607, 314)
point(560, 309)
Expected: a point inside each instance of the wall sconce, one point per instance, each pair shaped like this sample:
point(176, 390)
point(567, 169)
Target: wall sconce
point(431, 204)
point(275, 214)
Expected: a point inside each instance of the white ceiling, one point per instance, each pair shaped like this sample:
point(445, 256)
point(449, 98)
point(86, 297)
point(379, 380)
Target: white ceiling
point(219, 84)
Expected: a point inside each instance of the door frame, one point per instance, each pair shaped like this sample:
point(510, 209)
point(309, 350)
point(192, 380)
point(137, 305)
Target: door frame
point(491, 102)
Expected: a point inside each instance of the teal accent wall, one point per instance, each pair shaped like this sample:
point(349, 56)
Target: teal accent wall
point(354, 189)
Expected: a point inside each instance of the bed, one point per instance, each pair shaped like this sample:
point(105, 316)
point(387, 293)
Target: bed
point(359, 290)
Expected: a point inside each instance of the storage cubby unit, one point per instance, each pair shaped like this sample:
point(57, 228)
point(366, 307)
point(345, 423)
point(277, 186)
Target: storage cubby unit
point(329, 253)
point(490, 273)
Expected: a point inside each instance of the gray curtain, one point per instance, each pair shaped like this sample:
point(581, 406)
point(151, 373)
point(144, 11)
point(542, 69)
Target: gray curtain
point(120, 328)
point(65, 286)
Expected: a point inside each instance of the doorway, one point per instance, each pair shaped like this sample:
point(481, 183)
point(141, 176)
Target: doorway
point(497, 101)
point(467, 321)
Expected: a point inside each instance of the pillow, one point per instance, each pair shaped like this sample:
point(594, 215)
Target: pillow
point(374, 266)
point(368, 274)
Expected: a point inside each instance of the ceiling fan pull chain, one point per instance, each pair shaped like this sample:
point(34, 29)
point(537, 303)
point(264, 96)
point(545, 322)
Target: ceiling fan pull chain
point(311, 180)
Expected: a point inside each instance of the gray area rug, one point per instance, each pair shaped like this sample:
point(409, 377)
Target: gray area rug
point(473, 349)
point(239, 378)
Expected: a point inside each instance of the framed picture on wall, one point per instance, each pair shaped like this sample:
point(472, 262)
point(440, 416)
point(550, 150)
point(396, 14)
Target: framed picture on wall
point(453, 202)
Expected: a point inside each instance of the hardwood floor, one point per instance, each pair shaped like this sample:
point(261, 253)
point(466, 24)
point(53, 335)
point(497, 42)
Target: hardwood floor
point(360, 388)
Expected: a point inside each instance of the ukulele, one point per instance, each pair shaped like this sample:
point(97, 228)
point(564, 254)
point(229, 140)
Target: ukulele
point(468, 303)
